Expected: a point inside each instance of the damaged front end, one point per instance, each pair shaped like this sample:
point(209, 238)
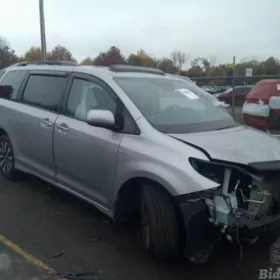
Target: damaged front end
point(245, 205)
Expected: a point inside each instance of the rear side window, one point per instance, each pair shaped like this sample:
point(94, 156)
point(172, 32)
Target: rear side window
point(44, 91)
point(12, 82)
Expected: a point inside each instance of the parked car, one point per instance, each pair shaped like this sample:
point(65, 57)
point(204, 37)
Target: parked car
point(261, 109)
point(133, 140)
point(209, 89)
point(240, 93)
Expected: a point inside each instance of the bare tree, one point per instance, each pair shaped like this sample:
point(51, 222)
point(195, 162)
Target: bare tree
point(179, 58)
point(174, 57)
point(3, 43)
point(7, 55)
point(182, 59)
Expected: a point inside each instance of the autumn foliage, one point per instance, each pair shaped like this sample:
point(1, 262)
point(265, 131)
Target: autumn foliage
point(177, 63)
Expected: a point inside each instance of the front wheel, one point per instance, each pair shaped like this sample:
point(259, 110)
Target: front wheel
point(160, 227)
point(7, 160)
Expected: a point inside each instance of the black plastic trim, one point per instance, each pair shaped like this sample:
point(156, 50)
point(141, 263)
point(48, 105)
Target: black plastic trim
point(135, 69)
point(266, 166)
point(47, 62)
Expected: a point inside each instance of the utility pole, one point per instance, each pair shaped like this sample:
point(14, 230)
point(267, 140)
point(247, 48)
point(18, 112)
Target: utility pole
point(42, 30)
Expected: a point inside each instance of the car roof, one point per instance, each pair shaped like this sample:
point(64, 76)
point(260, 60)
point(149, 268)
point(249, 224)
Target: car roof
point(269, 81)
point(114, 70)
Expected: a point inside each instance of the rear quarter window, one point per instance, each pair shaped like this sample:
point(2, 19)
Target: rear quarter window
point(11, 83)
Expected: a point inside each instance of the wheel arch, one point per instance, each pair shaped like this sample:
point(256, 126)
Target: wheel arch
point(3, 131)
point(127, 202)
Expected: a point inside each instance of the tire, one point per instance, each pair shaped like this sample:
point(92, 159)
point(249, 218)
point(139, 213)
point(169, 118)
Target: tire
point(7, 159)
point(160, 227)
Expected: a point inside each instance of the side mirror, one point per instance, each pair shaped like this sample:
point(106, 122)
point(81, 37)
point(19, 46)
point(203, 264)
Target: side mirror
point(101, 118)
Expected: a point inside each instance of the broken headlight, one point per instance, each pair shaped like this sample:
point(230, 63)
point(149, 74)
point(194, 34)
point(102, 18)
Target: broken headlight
point(210, 170)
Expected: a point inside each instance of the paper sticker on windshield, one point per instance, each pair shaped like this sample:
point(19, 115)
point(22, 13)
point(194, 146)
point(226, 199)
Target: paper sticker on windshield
point(188, 93)
point(278, 87)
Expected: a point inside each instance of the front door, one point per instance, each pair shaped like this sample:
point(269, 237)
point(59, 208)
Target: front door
point(86, 156)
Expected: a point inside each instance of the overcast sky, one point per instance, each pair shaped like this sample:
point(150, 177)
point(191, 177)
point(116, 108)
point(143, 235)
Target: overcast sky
point(217, 29)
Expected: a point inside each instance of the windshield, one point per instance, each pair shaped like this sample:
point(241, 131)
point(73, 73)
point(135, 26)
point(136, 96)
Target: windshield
point(175, 106)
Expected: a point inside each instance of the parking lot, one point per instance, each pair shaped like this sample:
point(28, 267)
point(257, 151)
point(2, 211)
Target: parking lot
point(68, 235)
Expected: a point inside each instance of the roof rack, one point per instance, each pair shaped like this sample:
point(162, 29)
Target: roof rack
point(135, 69)
point(47, 62)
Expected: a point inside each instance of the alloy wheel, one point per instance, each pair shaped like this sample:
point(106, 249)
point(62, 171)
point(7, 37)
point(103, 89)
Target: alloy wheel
point(6, 157)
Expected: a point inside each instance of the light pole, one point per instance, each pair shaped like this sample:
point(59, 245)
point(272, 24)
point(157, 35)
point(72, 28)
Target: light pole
point(233, 87)
point(42, 30)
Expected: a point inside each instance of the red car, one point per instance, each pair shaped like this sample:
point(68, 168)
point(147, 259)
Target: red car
point(261, 109)
point(240, 93)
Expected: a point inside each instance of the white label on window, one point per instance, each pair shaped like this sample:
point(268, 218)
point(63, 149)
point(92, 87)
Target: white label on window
point(278, 87)
point(186, 92)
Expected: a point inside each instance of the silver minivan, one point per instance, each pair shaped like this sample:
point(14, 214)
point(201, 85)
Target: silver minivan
point(133, 140)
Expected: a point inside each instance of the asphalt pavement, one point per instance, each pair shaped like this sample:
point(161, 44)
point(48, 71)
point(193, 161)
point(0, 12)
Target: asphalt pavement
point(14, 267)
point(70, 236)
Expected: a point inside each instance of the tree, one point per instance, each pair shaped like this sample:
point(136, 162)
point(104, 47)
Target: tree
point(146, 60)
point(134, 59)
point(220, 70)
point(179, 58)
point(87, 61)
point(60, 53)
point(202, 62)
point(21, 59)
point(205, 63)
point(142, 59)
point(7, 55)
point(33, 54)
point(195, 71)
point(271, 66)
point(112, 56)
point(167, 66)
point(240, 68)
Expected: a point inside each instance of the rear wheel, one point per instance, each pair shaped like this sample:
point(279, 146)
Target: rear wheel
point(7, 160)
point(160, 227)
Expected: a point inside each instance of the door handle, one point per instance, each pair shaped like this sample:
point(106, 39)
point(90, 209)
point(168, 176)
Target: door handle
point(46, 123)
point(62, 128)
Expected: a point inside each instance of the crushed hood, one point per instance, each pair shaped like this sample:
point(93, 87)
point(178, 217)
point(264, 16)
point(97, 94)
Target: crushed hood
point(241, 145)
